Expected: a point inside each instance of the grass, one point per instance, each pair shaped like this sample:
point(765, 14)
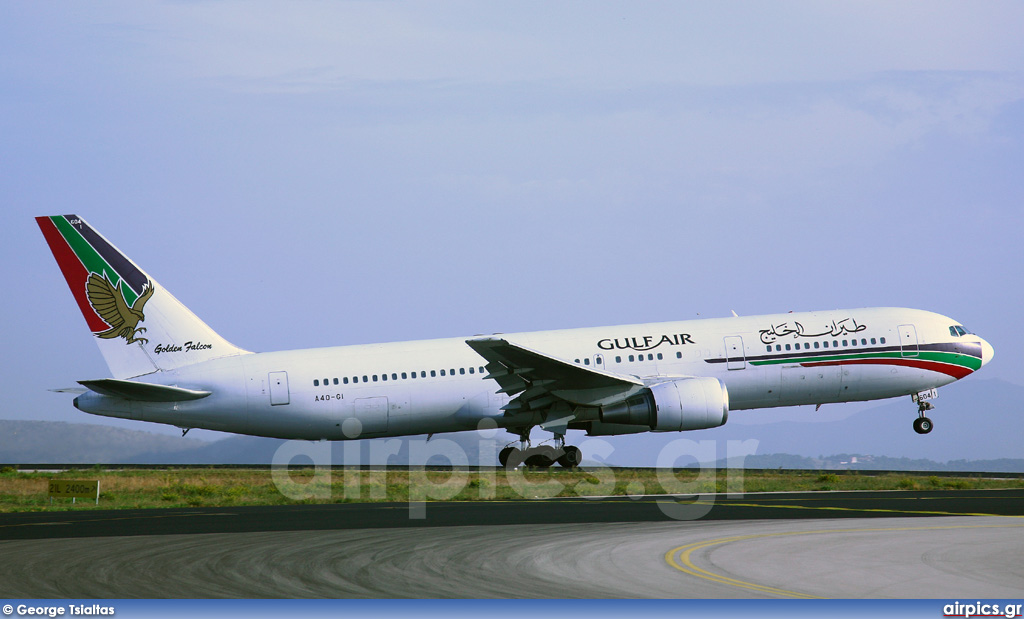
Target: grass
point(213, 487)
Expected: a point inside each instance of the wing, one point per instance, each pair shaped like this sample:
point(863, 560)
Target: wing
point(108, 302)
point(537, 380)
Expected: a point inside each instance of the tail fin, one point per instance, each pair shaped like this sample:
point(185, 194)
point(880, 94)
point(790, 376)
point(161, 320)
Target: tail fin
point(139, 327)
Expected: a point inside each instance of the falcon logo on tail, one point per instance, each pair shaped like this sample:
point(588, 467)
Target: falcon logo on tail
point(108, 302)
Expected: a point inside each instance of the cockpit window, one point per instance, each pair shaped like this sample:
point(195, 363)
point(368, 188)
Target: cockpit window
point(958, 330)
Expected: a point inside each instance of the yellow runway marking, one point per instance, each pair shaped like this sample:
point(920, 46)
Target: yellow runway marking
point(681, 557)
point(857, 509)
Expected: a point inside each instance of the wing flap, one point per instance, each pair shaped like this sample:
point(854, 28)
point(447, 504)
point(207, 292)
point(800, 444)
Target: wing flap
point(143, 392)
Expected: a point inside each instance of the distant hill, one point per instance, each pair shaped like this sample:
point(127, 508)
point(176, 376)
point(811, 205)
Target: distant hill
point(880, 463)
point(46, 442)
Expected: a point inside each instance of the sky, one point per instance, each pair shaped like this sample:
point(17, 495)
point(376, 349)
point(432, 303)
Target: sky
point(325, 173)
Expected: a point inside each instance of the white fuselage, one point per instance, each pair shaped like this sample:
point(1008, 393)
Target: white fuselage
point(434, 386)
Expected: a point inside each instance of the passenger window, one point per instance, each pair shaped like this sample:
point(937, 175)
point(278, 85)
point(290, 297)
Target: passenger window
point(462, 371)
point(660, 357)
point(853, 342)
point(835, 344)
point(863, 342)
point(366, 378)
point(769, 349)
point(412, 374)
point(404, 376)
point(815, 344)
point(618, 359)
point(807, 346)
point(394, 376)
point(316, 382)
point(481, 369)
point(326, 382)
point(650, 357)
point(586, 361)
point(384, 376)
point(433, 373)
point(345, 380)
point(423, 374)
point(872, 340)
point(374, 378)
point(442, 372)
point(451, 372)
point(882, 340)
point(631, 357)
point(787, 346)
point(825, 343)
point(335, 381)
point(845, 343)
point(471, 370)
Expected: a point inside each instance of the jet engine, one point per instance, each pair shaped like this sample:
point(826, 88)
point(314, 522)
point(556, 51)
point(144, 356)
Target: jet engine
point(684, 404)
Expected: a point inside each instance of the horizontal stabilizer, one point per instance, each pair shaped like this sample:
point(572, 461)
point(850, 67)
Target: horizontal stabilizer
point(143, 392)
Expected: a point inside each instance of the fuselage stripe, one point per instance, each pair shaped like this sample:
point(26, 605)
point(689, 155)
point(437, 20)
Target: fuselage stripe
point(956, 371)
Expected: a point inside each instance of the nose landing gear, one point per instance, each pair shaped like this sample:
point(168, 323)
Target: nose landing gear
point(923, 425)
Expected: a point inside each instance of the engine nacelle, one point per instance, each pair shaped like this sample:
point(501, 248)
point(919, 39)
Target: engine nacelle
point(672, 406)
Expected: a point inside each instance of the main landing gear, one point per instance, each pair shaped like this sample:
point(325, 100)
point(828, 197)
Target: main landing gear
point(542, 456)
point(923, 425)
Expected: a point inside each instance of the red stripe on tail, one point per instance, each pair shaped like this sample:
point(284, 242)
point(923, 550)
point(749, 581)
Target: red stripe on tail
point(74, 272)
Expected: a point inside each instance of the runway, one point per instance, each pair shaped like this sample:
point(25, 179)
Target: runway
point(898, 545)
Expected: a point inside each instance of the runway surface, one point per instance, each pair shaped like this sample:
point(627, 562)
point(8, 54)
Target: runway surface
point(861, 544)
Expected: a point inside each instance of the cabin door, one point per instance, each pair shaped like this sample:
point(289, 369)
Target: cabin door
point(734, 357)
point(908, 341)
point(278, 388)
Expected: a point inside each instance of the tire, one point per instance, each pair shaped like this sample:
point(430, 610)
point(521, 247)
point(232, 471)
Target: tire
point(504, 454)
point(538, 461)
point(571, 458)
point(922, 425)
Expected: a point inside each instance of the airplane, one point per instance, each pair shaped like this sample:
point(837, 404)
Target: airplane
point(169, 367)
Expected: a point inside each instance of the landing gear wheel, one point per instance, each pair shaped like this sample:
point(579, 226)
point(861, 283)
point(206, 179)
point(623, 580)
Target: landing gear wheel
point(571, 458)
point(539, 461)
point(922, 425)
point(504, 455)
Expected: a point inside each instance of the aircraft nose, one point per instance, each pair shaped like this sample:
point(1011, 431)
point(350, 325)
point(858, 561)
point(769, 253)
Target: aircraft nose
point(986, 351)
